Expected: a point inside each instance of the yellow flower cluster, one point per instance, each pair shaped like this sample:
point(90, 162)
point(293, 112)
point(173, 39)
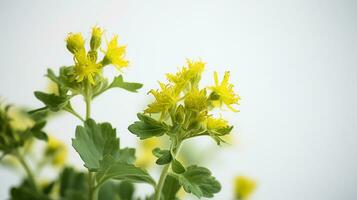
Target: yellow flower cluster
point(244, 187)
point(86, 66)
point(182, 97)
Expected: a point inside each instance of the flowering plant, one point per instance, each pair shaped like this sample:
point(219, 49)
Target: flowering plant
point(182, 110)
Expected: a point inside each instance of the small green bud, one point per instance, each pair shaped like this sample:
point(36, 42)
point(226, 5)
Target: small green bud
point(92, 55)
point(195, 125)
point(96, 38)
point(214, 96)
point(180, 114)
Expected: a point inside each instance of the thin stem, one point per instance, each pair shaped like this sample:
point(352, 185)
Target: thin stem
point(88, 108)
point(91, 179)
point(164, 173)
point(27, 169)
point(74, 113)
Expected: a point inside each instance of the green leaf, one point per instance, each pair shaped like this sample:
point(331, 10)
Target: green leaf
point(170, 189)
point(52, 101)
point(94, 141)
point(126, 155)
point(198, 181)
point(72, 184)
point(216, 134)
point(64, 81)
point(26, 191)
point(119, 82)
point(111, 169)
point(111, 190)
point(164, 156)
point(177, 167)
point(147, 127)
point(36, 131)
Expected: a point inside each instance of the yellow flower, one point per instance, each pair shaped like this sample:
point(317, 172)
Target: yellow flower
point(243, 187)
point(96, 38)
point(75, 42)
point(216, 124)
point(223, 93)
point(196, 100)
point(165, 99)
point(188, 74)
point(57, 151)
point(115, 54)
point(85, 68)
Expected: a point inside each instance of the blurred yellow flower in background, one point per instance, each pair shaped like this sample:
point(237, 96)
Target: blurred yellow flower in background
point(145, 157)
point(243, 187)
point(19, 119)
point(56, 151)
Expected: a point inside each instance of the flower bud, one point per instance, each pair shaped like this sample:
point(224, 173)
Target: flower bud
point(214, 96)
point(92, 55)
point(180, 115)
point(96, 38)
point(75, 42)
point(195, 125)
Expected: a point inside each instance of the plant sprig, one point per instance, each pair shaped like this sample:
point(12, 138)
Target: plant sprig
point(182, 110)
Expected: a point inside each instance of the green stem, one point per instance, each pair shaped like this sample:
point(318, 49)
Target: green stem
point(91, 178)
point(74, 113)
point(164, 173)
point(27, 169)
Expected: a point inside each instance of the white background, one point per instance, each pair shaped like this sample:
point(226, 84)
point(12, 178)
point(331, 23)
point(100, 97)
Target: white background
point(293, 63)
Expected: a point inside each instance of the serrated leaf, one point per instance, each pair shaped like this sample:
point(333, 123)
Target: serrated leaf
point(177, 167)
point(147, 127)
point(170, 188)
point(52, 101)
point(118, 81)
point(94, 141)
point(111, 169)
point(198, 181)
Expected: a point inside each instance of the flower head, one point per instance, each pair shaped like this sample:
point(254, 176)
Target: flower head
point(216, 124)
point(191, 73)
point(165, 99)
point(85, 68)
point(196, 100)
point(223, 93)
point(75, 42)
point(115, 54)
point(244, 187)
